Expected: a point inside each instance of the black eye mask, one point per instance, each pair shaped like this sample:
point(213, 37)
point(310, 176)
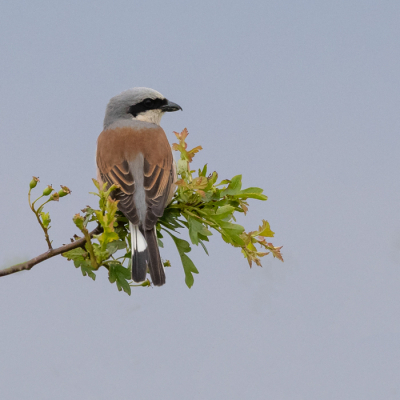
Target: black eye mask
point(147, 104)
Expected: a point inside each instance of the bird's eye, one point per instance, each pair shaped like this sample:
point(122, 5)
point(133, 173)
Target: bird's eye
point(148, 102)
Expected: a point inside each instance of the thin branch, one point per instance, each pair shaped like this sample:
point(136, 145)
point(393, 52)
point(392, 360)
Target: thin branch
point(90, 249)
point(49, 254)
point(46, 235)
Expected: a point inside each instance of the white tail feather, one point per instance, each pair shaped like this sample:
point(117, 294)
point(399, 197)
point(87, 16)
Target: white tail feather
point(137, 238)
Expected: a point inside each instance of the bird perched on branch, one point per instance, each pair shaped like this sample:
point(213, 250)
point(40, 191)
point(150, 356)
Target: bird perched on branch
point(133, 152)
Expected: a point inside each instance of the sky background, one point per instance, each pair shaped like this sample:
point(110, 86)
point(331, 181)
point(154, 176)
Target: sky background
point(302, 98)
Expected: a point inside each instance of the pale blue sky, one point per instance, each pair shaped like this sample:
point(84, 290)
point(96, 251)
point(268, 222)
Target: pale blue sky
point(302, 98)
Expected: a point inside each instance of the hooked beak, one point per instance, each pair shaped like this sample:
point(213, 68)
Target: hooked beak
point(170, 106)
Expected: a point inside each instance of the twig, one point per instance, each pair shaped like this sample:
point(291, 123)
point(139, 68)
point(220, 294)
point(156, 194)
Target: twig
point(49, 254)
point(46, 235)
point(90, 249)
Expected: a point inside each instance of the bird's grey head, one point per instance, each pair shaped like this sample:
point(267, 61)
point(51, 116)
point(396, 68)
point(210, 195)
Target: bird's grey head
point(139, 103)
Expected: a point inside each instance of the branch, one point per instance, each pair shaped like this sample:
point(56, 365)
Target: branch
point(27, 265)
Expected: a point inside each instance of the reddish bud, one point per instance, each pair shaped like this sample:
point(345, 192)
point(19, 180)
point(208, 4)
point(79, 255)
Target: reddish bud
point(55, 196)
point(33, 182)
point(47, 190)
point(63, 191)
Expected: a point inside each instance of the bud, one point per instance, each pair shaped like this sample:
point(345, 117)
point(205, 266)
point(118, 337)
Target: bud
point(55, 196)
point(34, 182)
point(182, 166)
point(48, 190)
point(78, 220)
point(64, 191)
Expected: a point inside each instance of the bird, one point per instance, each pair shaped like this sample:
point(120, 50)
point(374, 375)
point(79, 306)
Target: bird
point(133, 152)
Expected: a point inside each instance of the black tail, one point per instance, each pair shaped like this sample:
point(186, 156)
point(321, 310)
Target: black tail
point(140, 260)
point(155, 265)
point(140, 254)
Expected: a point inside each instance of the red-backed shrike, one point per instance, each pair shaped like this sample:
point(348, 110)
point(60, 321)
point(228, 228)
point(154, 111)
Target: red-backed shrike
point(133, 152)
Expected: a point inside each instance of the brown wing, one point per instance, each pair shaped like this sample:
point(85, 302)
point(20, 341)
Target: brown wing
point(116, 148)
point(157, 184)
point(121, 175)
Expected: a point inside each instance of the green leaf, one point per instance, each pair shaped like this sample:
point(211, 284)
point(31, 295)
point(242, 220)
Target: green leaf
point(254, 190)
point(170, 219)
point(182, 245)
point(119, 274)
point(90, 216)
point(122, 232)
point(204, 171)
point(115, 246)
point(229, 226)
point(224, 212)
point(204, 247)
point(195, 228)
point(252, 193)
point(234, 186)
point(188, 266)
point(79, 258)
point(96, 183)
point(128, 255)
point(106, 237)
point(232, 233)
point(74, 253)
point(212, 180)
point(224, 182)
point(264, 230)
point(87, 270)
point(202, 237)
point(45, 219)
point(100, 254)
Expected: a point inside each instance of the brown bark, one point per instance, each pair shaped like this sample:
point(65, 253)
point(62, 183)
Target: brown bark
point(27, 265)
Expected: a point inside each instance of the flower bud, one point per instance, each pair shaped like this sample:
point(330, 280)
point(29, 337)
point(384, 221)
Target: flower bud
point(78, 220)
point(55, 196)
point(182, 166)
point(34, 182)
point(48, 190)
point(63, 191)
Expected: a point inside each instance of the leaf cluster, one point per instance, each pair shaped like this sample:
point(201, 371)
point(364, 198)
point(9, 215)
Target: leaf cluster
point(100, 251)
point(201, 206)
